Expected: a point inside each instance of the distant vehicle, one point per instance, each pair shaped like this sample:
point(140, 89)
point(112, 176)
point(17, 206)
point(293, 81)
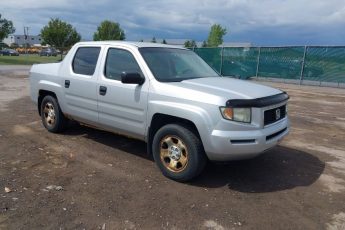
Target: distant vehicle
point(9, 52)
point(48, 52)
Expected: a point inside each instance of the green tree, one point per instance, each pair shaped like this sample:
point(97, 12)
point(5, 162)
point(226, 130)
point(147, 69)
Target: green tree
point(164, 42)
point(215, 37)
point(204, 44)
point(109, 30)
point(60, 34)
point(187, 44)
point(6, 28)
point(153, 40)
point(141, 40)
point(190, 44)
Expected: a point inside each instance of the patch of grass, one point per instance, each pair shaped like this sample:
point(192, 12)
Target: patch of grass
point(27, 59)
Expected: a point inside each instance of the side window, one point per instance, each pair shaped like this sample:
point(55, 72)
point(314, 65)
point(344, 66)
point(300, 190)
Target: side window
point(119, 61)
point(85, 60)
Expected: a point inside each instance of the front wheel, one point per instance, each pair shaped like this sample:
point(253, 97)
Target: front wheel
point(52, 117)
point(178, 152)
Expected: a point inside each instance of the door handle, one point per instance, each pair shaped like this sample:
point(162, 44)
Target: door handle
point(67, 83)
point(102, 90)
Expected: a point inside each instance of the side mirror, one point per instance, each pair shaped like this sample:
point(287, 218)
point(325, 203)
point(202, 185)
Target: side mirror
point(132, 78)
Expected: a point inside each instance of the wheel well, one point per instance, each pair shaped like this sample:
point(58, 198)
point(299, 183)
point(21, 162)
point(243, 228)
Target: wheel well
point(41, 94)
point(159, 120)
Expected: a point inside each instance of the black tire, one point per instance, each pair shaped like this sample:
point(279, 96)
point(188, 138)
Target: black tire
point(192, 150)
point(60, 122)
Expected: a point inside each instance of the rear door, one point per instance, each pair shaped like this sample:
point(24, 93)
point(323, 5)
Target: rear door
point(122, 107)
point(80, 85)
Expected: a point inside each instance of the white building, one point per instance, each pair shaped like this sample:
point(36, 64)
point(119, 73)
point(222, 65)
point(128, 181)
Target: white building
point(20, 39)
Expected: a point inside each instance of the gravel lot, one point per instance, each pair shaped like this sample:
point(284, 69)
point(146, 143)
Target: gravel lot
point(91, 179)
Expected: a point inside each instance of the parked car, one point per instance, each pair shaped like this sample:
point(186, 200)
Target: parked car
point(48, 52)
point(164, 95)
point(9, 52)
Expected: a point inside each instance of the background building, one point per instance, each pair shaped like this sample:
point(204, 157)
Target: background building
point(20, 40)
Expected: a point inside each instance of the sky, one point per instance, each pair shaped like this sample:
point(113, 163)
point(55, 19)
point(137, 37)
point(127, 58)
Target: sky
point(260, 22)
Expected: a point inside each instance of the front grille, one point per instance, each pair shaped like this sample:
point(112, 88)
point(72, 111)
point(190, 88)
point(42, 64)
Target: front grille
point(273, 115)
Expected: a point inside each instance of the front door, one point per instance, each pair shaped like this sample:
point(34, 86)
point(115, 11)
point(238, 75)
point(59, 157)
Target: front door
point(122, 107)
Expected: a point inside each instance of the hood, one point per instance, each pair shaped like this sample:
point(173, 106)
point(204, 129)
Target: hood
point(218, 90)
point(230, 88)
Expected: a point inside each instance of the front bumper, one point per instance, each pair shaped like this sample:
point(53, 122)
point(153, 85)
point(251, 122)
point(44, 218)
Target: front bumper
point(237, 145)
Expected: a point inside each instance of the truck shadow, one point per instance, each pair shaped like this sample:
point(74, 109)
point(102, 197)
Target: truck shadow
point(279, 169)
point(115, 141)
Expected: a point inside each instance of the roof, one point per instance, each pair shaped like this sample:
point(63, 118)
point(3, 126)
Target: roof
point(129, 43)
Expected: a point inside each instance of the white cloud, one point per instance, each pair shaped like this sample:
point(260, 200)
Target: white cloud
point(178, 17)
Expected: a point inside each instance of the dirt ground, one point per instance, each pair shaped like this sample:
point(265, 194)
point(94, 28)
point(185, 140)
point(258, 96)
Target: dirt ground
point(91, 179)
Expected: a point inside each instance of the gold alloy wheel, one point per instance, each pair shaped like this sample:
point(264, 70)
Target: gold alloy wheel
point(49, 114)
point(173, 153)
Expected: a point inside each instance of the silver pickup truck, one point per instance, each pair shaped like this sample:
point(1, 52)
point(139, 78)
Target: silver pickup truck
point(164, 95)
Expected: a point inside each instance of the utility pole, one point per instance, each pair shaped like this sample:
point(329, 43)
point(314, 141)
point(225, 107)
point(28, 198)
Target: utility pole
point(26, 36)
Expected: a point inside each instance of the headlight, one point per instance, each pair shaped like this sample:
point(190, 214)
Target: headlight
point(236, 114)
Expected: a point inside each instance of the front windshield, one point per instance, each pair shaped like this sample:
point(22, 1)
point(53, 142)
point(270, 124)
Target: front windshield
point(174, 65)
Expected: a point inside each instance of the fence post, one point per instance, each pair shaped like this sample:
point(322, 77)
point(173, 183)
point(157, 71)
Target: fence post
point(221, 61)
point(303, 64)
point(258, 62)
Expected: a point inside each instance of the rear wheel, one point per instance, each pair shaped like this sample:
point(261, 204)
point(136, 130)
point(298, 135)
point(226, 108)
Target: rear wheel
point(178, 152)
point(52, 117)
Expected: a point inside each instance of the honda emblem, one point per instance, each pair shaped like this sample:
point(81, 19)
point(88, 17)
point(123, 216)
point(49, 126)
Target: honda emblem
point(277, 114)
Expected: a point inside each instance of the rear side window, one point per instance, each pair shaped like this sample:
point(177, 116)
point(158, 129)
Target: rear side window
point(85, 60)
point(119, 61)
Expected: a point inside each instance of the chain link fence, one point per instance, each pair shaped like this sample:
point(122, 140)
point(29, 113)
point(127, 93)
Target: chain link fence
point(312, 65)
